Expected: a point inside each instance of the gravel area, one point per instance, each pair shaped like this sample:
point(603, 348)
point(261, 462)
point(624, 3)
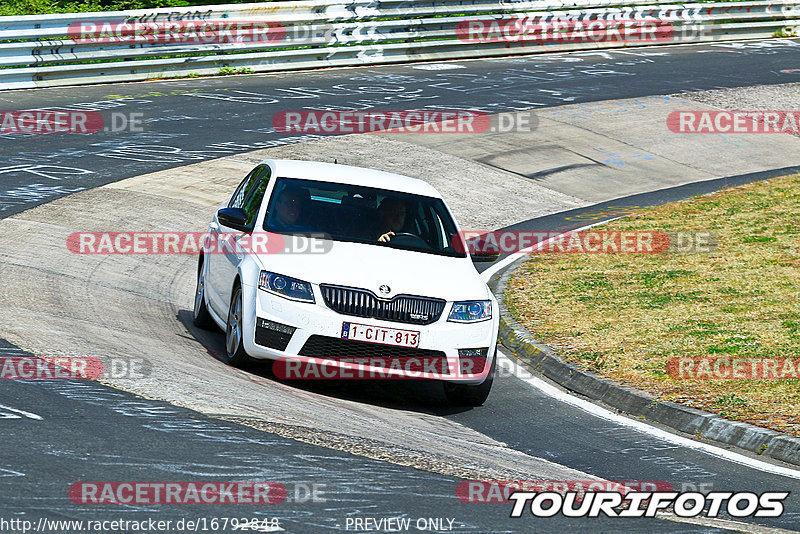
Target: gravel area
point(758, 98)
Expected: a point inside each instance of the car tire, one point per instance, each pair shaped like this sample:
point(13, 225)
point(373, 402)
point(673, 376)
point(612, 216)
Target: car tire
point(466, 395)
point(200, 315)
point(233, 330)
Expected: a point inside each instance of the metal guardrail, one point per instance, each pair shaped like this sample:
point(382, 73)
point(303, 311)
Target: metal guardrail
point(82, 48)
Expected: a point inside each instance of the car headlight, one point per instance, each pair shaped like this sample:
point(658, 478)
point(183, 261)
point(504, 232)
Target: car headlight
point(471, 311)
point(285, 286)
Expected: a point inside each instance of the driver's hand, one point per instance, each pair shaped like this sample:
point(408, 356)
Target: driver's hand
point(385, 238)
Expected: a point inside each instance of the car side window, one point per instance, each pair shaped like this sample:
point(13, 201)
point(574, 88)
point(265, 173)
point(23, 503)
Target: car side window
point(239, 196)
point(252, 201)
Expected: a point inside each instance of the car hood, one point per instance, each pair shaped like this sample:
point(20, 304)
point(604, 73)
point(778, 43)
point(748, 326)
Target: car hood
point(372, 266)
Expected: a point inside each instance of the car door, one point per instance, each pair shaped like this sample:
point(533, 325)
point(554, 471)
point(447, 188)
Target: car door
point(226, 263)
point(216, 272)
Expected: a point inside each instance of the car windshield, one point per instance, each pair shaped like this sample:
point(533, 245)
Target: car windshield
point(345, 212)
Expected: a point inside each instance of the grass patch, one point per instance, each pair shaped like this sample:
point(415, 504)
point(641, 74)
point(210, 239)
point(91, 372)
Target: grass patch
point(625, 315)
point(233, 70)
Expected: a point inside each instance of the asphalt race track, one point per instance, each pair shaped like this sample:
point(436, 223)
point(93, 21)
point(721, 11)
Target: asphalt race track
point(57, 433)
point(191, 120)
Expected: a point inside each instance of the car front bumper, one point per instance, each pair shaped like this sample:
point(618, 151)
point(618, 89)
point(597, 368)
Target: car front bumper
point(291, 324)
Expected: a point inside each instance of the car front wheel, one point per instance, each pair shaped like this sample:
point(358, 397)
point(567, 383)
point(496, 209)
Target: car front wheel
point(200, 316)
point(466, 395)
point(233, 330)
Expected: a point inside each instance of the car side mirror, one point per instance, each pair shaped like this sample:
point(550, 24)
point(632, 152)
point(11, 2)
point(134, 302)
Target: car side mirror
point(483, 250)
point(484, 256)
point(235, 218)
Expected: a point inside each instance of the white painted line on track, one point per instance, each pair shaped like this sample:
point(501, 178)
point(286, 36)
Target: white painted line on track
point(598, 411)
point(511, 258)
point(29, 415)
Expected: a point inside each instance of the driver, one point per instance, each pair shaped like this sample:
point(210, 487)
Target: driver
point(392, 218)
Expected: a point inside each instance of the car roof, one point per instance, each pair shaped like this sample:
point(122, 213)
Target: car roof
point(346, 174)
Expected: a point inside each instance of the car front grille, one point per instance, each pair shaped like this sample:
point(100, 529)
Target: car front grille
point(364, 303)
point(335, 348)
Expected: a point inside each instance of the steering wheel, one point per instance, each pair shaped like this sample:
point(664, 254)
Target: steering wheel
point(409, 239)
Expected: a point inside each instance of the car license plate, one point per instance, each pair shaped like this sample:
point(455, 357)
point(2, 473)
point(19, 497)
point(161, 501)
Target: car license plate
point(377, 334)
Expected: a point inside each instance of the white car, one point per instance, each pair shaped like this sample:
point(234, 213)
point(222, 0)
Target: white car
point(388, 277)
